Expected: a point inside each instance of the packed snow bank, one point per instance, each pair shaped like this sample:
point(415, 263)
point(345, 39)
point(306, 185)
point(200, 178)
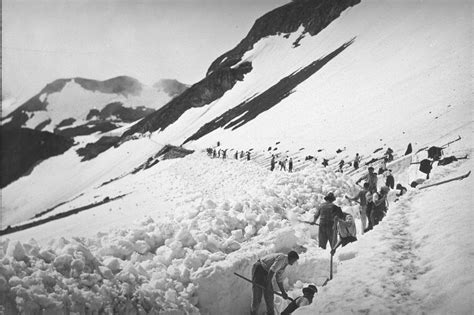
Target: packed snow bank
point(417, 260)
point(184, 261)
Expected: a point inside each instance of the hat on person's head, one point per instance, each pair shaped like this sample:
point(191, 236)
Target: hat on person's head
point(330, 197)
point(311, 289)
point(384, 189)
point(370, 168)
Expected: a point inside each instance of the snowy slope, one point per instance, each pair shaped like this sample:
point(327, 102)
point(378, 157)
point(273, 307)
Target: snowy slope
point(407, 60)
point(400, 78)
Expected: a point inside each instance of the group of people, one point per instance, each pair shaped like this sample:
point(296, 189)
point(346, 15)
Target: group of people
point(336, 227)
point(222, 153)
point(281, 163)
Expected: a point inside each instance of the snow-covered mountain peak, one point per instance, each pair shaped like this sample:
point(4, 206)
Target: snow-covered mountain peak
point(74, 104)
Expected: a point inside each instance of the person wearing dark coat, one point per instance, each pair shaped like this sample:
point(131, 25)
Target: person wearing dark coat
point(290, 165)
point(425, 167)
point(326, 213)
point(390, 181)
point(272, 163)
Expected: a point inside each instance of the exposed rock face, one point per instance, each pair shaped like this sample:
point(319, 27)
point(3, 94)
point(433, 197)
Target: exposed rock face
point(23, 148)
point(313, 15)
point(117, 110)
point(91, 150)
point(200, 94)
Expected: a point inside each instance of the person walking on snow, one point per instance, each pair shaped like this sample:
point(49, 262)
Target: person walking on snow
point(346, 229)
point(262, 275)
point(361, 198)
point(283, 165)
point(326, 213)
point(290, 165)
point(341, 165)
point(272, 163)
point(380, 205)
point(305, 299)
point(390, 180)
point(356, 161)
point(248, 155)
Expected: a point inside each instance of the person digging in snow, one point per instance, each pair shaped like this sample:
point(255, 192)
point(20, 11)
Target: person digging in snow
point(326, 213)
point(361, 198)
point(346, 229)
point(305, 299)
point(371, 179)
point(380, 205)
point(262, 274)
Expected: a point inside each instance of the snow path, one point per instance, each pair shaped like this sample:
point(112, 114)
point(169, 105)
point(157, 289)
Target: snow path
point(403, 269)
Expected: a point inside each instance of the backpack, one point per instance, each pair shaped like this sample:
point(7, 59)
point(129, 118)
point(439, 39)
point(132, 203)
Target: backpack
point(425, 166)
point(435, 153)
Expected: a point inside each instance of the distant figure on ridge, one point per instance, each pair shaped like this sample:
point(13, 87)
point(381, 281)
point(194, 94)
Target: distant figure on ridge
point(341, 165)
point(356, 161)
point(283, 165)
point(272, 163)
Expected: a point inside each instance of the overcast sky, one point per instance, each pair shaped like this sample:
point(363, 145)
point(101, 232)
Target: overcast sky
point(43, 40)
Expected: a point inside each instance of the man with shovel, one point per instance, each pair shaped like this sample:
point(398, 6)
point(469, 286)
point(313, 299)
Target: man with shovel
point(262, 274)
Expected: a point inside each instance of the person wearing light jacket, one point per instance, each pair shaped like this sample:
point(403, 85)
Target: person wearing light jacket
point(346, 229)
point(262, 275)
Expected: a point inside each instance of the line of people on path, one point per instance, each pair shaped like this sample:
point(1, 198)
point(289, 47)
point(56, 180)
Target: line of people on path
point(222, 153)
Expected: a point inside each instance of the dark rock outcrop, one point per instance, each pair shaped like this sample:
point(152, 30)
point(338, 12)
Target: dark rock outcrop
point(87, 129)
point(91, 150)
point(23, 148)
point(116, 109)
point(200, 94)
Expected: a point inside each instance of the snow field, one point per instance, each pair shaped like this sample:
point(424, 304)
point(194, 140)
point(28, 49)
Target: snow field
point(181, 262)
